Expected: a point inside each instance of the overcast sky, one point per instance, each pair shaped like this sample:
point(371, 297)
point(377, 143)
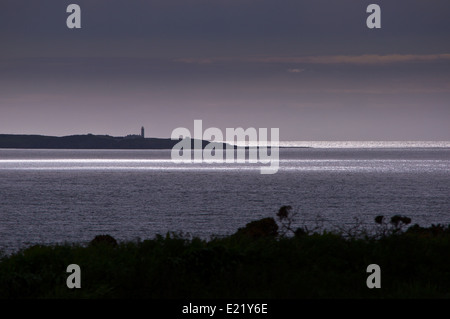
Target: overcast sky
point(311, 68)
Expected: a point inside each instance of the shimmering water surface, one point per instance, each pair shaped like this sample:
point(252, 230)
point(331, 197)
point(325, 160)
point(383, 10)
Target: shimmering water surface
point(57, 196)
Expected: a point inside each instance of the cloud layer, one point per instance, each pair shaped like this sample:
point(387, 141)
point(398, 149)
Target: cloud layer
point(327, 59)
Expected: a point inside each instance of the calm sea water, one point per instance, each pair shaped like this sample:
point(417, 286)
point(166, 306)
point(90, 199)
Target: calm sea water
point(57, 196)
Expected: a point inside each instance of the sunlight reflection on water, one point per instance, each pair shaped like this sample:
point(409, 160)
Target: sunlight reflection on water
point(53, 196)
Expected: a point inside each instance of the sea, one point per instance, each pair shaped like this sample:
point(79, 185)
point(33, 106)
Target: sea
point(70, 196)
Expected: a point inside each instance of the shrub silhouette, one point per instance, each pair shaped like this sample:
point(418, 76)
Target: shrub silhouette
point(283, 212)
point(379, 219)
point(395, 225)
point(300, 232)
point(432, 231)
point(105, 240)
point(266, 227)
point(399, 221)
point(286, 218)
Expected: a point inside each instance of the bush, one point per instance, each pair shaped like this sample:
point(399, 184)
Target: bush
point(266, 227)
point(256, 262)
point(104, 240)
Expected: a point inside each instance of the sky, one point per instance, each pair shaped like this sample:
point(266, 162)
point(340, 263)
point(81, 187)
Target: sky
point(311, 68)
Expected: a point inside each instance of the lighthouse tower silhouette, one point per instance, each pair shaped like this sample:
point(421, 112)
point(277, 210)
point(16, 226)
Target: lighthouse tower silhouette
point(142, 132)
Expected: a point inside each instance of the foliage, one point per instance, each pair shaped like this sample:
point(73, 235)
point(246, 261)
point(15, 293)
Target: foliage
point(266, 227)
point(107, 240)
point(257, 261)
point(396, 224)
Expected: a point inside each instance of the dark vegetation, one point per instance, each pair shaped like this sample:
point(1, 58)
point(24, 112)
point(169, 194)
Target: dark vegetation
point(267, 258)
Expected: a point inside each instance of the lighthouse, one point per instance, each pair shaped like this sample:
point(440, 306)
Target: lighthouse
point(142, 132)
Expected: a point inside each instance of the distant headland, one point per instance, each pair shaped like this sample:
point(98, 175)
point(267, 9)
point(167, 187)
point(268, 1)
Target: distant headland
point(91, 141)
point(87, 141)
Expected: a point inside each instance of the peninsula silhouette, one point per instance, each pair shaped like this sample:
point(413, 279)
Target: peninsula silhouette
point(87, 141)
